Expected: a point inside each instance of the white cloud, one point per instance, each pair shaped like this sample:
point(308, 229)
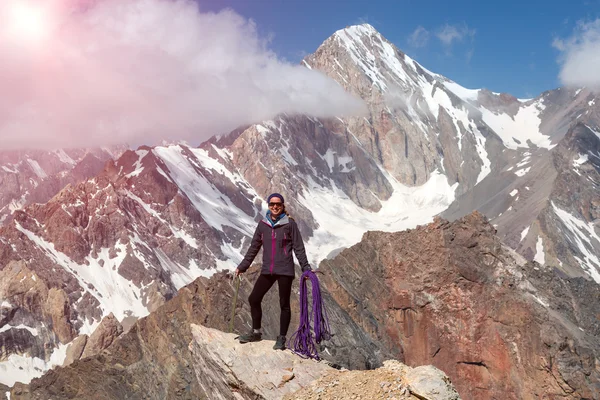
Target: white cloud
point(454, 33)
point(419, 37)
point(580, 55)
point(140, 71)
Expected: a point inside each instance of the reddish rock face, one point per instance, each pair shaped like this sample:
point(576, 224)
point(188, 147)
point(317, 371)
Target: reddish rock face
point(451, 295)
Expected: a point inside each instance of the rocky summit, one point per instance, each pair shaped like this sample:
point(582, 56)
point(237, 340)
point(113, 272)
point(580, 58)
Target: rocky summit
point(168, 355)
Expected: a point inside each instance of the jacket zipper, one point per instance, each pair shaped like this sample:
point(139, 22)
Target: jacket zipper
point(272, 250)
point(284, 247)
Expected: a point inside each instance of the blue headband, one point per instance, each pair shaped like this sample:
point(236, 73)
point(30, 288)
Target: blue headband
point(275, 195)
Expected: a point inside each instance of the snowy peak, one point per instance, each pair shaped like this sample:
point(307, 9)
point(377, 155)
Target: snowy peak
point(359, 30)
point(420, 123)
point(385, 65)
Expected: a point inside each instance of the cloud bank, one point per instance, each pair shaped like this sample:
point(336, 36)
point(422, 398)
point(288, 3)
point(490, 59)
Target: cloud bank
point(143, 71)
point(580, 56)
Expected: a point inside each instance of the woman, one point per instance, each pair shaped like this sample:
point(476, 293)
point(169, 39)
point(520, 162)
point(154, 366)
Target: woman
point(279, 235)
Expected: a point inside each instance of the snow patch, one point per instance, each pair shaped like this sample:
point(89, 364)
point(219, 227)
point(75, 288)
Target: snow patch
point(39, 171)
point(12, 171)
point(406, 208)
point(524, 233)
point(583, 158)
point(597, 133)
point(114, 293)
point(64, 157)
point(334, 161)
point(486, 166)
point(468, 95)
point(178, 233)
point(582, 233)
point(7, 327)
point(23, 369)
point(524, 126)
point(216, 207)
point(523, 171)
point(137, 167)
point(352, 40)
point(540, 301)
point(540, 256)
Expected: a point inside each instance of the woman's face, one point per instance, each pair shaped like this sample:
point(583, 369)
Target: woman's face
point(275, 206)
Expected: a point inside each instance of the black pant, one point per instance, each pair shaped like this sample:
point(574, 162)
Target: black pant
point(261, 287)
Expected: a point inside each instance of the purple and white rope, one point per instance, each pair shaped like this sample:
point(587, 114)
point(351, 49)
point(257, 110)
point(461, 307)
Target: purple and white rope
point(305, 339)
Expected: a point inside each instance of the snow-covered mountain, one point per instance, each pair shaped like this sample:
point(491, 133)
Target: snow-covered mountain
point(156, 218)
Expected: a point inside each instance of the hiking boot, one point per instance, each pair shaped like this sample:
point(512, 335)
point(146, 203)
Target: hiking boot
point(280, 343)
point(250, 337)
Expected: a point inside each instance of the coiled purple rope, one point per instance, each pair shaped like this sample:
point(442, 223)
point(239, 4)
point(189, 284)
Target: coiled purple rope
point(304, 342)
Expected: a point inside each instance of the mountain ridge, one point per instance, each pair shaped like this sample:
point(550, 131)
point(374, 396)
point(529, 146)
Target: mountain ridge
point(156, 218)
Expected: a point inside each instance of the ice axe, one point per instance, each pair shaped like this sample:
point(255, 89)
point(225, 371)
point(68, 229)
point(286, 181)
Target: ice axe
point(235, 296)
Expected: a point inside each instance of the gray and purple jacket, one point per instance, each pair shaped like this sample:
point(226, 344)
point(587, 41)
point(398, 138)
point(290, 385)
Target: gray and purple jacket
point(278, 239)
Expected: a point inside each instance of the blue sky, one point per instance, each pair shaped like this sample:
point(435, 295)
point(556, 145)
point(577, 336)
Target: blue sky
point(503, 46)
point(143, 71)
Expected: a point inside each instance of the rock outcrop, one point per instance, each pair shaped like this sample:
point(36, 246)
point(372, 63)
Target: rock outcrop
point(106, 333)
point(155, 361)
point(452, 295)
point(35, 315)
point(86, 346)
point(392, 381)
point(3, 391)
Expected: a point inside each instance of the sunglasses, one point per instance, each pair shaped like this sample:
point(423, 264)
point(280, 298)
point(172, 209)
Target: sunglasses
point(275, 204)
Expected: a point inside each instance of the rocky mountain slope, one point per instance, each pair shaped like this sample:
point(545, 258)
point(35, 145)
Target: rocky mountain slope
point(168, 355)
point(155, 219)
point(455, 298)
point(34, 176)
point(547, 210)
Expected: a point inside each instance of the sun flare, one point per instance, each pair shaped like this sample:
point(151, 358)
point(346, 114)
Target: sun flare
point(27, 21)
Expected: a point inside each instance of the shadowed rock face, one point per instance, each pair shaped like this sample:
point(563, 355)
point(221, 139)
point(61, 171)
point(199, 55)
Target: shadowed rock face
point(451, 295)
point(3, 391)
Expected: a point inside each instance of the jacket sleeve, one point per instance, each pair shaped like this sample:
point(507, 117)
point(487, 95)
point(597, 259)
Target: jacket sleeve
point(298, 246)
point(255, 246)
